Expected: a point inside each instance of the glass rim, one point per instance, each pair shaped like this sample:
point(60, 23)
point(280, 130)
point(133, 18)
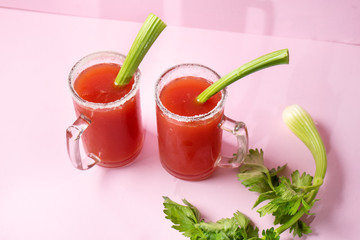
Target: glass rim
point(81, 65)
point(219, 106)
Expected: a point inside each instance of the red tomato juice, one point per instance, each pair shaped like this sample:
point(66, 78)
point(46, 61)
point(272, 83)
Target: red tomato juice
point(115, 134)
point(188, 149)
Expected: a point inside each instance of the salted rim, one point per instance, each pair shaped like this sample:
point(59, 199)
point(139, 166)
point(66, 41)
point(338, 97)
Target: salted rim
point(91, 60)
point(181, 118)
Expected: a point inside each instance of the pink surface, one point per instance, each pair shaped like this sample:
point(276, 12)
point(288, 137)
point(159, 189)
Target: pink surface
point(328, 20)
point(43, 197)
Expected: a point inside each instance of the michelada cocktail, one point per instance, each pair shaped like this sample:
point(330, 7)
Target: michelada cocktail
point(190, 133)
point(113, 135)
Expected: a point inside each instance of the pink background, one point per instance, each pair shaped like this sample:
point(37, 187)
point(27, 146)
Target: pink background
point(43, 197)
point(328, 20)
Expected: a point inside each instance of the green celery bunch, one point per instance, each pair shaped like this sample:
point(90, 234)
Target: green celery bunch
point(287, 199)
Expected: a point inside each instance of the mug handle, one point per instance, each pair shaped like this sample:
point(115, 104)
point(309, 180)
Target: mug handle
point(73, 136)
point(239, 130)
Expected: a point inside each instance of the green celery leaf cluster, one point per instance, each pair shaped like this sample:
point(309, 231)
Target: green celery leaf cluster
point(285, 196)
point(187, 219)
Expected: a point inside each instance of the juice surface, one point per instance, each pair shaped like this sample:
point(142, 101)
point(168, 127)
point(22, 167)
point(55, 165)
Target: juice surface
point(96, 84)
point(179, 96)
point(188, 150)
point(115, 134)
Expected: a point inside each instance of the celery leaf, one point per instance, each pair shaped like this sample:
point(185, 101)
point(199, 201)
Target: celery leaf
point(187, 219)
point(284, 196)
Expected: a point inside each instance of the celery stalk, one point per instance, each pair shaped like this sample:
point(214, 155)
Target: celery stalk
point(145, 38)
point(268, 60)
point(302, 125)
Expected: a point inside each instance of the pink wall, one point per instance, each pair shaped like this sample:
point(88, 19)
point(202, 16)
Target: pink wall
point(327, 20)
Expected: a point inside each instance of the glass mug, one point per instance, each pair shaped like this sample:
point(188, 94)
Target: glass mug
point(190, 146)
point(112, 134)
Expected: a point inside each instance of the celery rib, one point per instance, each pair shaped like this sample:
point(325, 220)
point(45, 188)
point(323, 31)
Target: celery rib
point(302, 125)
point(145, 38)
point(265, 61)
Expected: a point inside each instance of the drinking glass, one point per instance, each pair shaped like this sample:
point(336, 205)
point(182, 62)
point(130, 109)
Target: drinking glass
point(111, 133)
point(190, 146)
